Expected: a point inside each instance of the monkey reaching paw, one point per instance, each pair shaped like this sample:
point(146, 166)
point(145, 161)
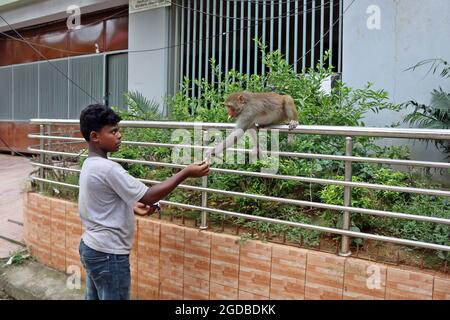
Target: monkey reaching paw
point(293, 124)
point(255, 110)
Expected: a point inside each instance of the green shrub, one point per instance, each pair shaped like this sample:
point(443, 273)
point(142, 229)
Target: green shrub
point(423, 231)
point(365, 198)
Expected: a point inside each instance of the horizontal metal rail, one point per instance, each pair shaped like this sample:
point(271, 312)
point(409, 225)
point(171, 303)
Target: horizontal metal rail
point(55, 144)
point(431, 164)
point(269, 175)
point(56, 182)
point(348, 184)
point(48, 166)
point(289, 223)
point(57, 132)
point(406, 133)
point(289, 201)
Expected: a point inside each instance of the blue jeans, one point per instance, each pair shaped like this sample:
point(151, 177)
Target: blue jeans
point(107, 275)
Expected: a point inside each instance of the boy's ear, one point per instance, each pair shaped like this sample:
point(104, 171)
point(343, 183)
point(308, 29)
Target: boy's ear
point(93, 136)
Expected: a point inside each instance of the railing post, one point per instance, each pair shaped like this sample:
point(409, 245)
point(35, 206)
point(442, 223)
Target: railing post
point(345, 241)
point(49, 132)
point(41, 157)
point(204, 218)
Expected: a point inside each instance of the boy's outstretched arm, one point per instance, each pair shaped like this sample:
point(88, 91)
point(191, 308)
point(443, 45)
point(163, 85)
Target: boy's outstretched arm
point(161, 190)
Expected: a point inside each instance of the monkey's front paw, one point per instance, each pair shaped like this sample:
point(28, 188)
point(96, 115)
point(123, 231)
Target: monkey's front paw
point(208, 153)
point(293, 124)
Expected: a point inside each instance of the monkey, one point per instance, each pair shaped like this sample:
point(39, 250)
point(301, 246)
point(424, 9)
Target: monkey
point(253, 110)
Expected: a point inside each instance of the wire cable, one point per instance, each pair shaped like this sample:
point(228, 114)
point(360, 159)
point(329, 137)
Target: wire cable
point(191, 42)
point(298, 12)
point(43, 45)
point(284, 15)
point(72, 30)
point(326, 33)
point(11, 149)
point(227, 32)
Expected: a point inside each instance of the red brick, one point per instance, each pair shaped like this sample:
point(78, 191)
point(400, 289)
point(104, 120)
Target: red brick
point(148, 246)
point(408, 285)
point(148, 234)
point(171, 261)
point(73, 221)
point(170, 288)
point(195, 288)
point(364, 280)
point(220, 292)
point(43, 204)
point(43, 234)
point(58, 234)
point(324, 276)
point(225, 260)
point(43, 254)
point(32, 199)
point(254, 268)
point(58, 261)
point(288, 273)
point(243, 295)
point(134, 263)
point(441, 289)
point(197, 254)
point(148, 289)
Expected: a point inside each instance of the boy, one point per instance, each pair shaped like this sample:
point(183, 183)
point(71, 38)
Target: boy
point(106, 199)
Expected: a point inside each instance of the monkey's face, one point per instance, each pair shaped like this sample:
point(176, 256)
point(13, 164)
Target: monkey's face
point(231, 111)
point(234, 104)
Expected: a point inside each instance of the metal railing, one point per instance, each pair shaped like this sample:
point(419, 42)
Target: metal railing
point(348, 184)
point(226, 25)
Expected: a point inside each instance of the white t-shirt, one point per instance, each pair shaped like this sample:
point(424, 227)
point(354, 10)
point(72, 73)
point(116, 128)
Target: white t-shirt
point(106, 199)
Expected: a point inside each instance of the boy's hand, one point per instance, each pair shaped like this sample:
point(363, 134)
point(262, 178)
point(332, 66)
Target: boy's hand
point(196, 170)
point(143, 210)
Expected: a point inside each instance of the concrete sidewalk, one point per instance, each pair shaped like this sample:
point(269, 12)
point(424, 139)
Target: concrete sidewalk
point(14, 172)
point(29, 280)
point(34, 281)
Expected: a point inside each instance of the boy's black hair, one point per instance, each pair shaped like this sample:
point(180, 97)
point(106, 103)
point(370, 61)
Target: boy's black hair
point(94, 117)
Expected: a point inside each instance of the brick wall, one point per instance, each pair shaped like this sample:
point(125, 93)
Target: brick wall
point(174, 262)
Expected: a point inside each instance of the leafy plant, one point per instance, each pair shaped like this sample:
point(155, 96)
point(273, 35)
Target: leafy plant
point(435, 64)
point(18, 257)
point(436, 115)
point(139, 107)
point(423, 231)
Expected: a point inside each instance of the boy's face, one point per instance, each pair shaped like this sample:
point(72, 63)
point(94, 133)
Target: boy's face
point(108, 138)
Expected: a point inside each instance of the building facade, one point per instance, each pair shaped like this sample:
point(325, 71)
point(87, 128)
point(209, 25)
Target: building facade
point(152, 46)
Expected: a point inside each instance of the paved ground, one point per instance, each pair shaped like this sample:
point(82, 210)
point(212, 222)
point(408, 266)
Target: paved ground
point(33, 281)
point(4, 296)
point(29, 280)
point(14, 173)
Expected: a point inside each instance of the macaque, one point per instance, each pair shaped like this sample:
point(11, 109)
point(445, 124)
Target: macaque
point(254, 110)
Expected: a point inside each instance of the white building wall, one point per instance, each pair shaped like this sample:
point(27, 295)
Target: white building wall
point(148, 70)
point(410, 31)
